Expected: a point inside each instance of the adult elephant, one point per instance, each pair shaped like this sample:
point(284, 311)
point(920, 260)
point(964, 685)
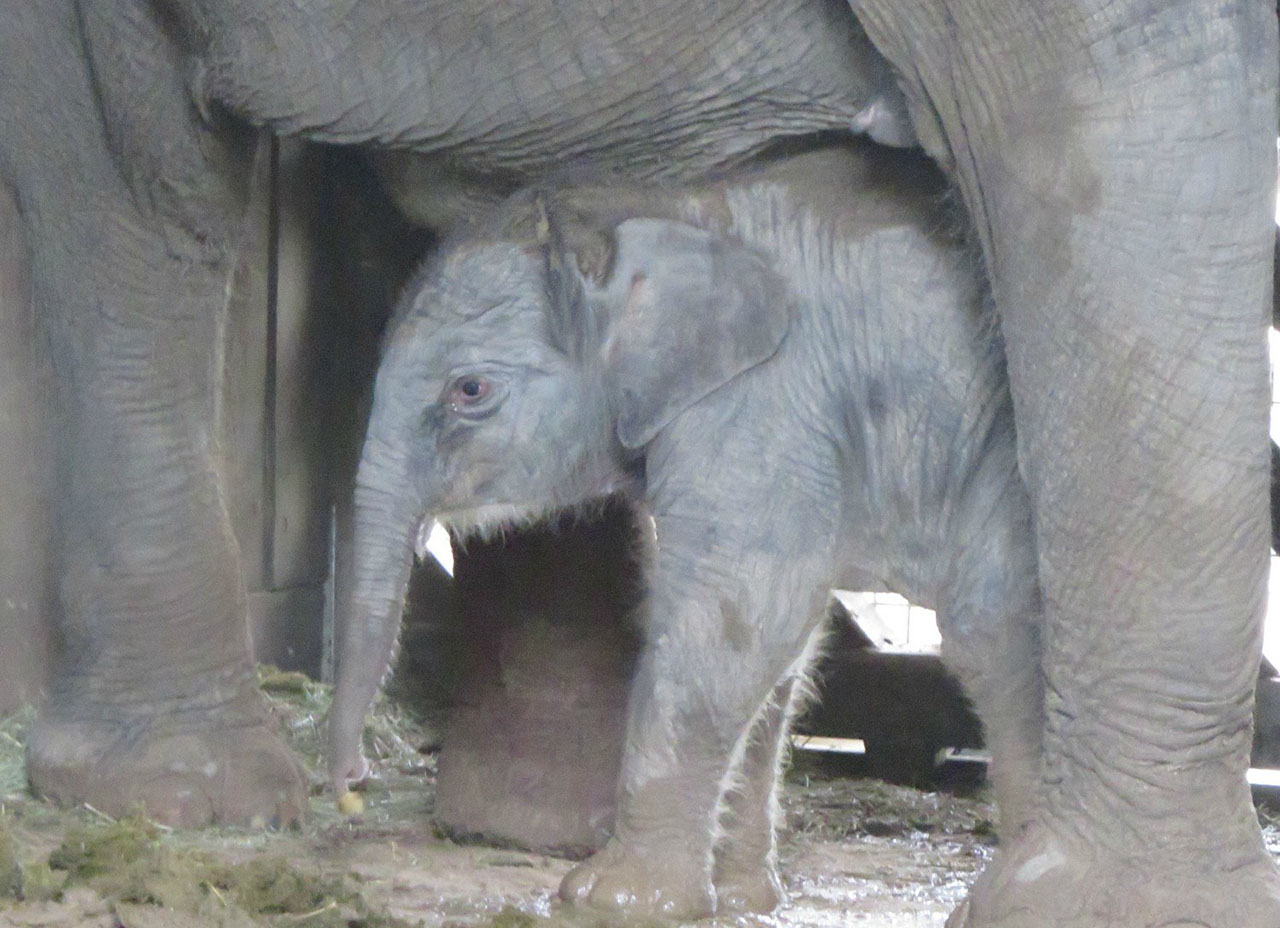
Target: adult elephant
point(1117, 161)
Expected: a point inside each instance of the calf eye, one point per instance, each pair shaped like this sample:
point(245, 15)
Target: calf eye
point(473, 387)
point(471, 394)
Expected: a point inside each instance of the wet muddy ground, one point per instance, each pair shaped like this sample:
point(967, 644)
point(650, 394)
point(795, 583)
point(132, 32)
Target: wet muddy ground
point(854, 852)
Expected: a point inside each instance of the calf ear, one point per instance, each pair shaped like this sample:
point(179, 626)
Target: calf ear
point(682, 312)
point(578, 253)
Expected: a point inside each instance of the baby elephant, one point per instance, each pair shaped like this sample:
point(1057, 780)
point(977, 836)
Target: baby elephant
point(792, 372)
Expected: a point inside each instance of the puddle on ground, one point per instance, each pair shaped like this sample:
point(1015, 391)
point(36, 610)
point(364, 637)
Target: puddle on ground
point(853, 852)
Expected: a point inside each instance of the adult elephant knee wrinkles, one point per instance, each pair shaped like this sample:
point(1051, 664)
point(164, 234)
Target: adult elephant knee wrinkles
point(1117, 162)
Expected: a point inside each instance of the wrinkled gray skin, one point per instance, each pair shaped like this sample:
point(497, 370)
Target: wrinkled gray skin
point(813, 396)
point(1117, 161)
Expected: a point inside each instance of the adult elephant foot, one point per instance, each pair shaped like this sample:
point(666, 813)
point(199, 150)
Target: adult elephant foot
point(222, 765)
point(630, 882)
point(1045, 881)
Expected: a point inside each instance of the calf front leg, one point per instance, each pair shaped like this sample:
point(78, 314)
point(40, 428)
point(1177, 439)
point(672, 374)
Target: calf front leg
point(746, 857)
point(734, 599)
point(989, 613)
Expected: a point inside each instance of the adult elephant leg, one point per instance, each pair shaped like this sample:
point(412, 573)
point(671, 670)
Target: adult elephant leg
point(1118, 163)
point(132, 222)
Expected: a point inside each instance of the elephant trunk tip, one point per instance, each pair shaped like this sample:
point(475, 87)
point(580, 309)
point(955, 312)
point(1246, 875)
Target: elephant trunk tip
point(347, 763)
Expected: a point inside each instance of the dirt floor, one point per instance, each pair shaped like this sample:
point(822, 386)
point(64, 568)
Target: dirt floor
point(855, 852)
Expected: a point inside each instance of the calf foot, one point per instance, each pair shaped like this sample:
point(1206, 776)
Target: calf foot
point(746, 888)
point(182, 768)
point(1042, 880)
point(633, 882)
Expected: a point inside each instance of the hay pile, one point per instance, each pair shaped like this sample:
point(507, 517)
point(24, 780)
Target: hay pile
point(13, 774)
point(143, 878)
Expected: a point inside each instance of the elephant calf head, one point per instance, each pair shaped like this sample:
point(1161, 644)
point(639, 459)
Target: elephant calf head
point(524, 372)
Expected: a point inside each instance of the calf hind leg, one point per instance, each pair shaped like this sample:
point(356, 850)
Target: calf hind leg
point(990, 622)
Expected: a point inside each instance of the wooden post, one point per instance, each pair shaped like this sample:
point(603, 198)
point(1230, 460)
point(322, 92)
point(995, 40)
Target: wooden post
point(272, 418)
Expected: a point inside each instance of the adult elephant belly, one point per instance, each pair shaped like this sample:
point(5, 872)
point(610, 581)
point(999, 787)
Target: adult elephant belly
point(662, 89)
